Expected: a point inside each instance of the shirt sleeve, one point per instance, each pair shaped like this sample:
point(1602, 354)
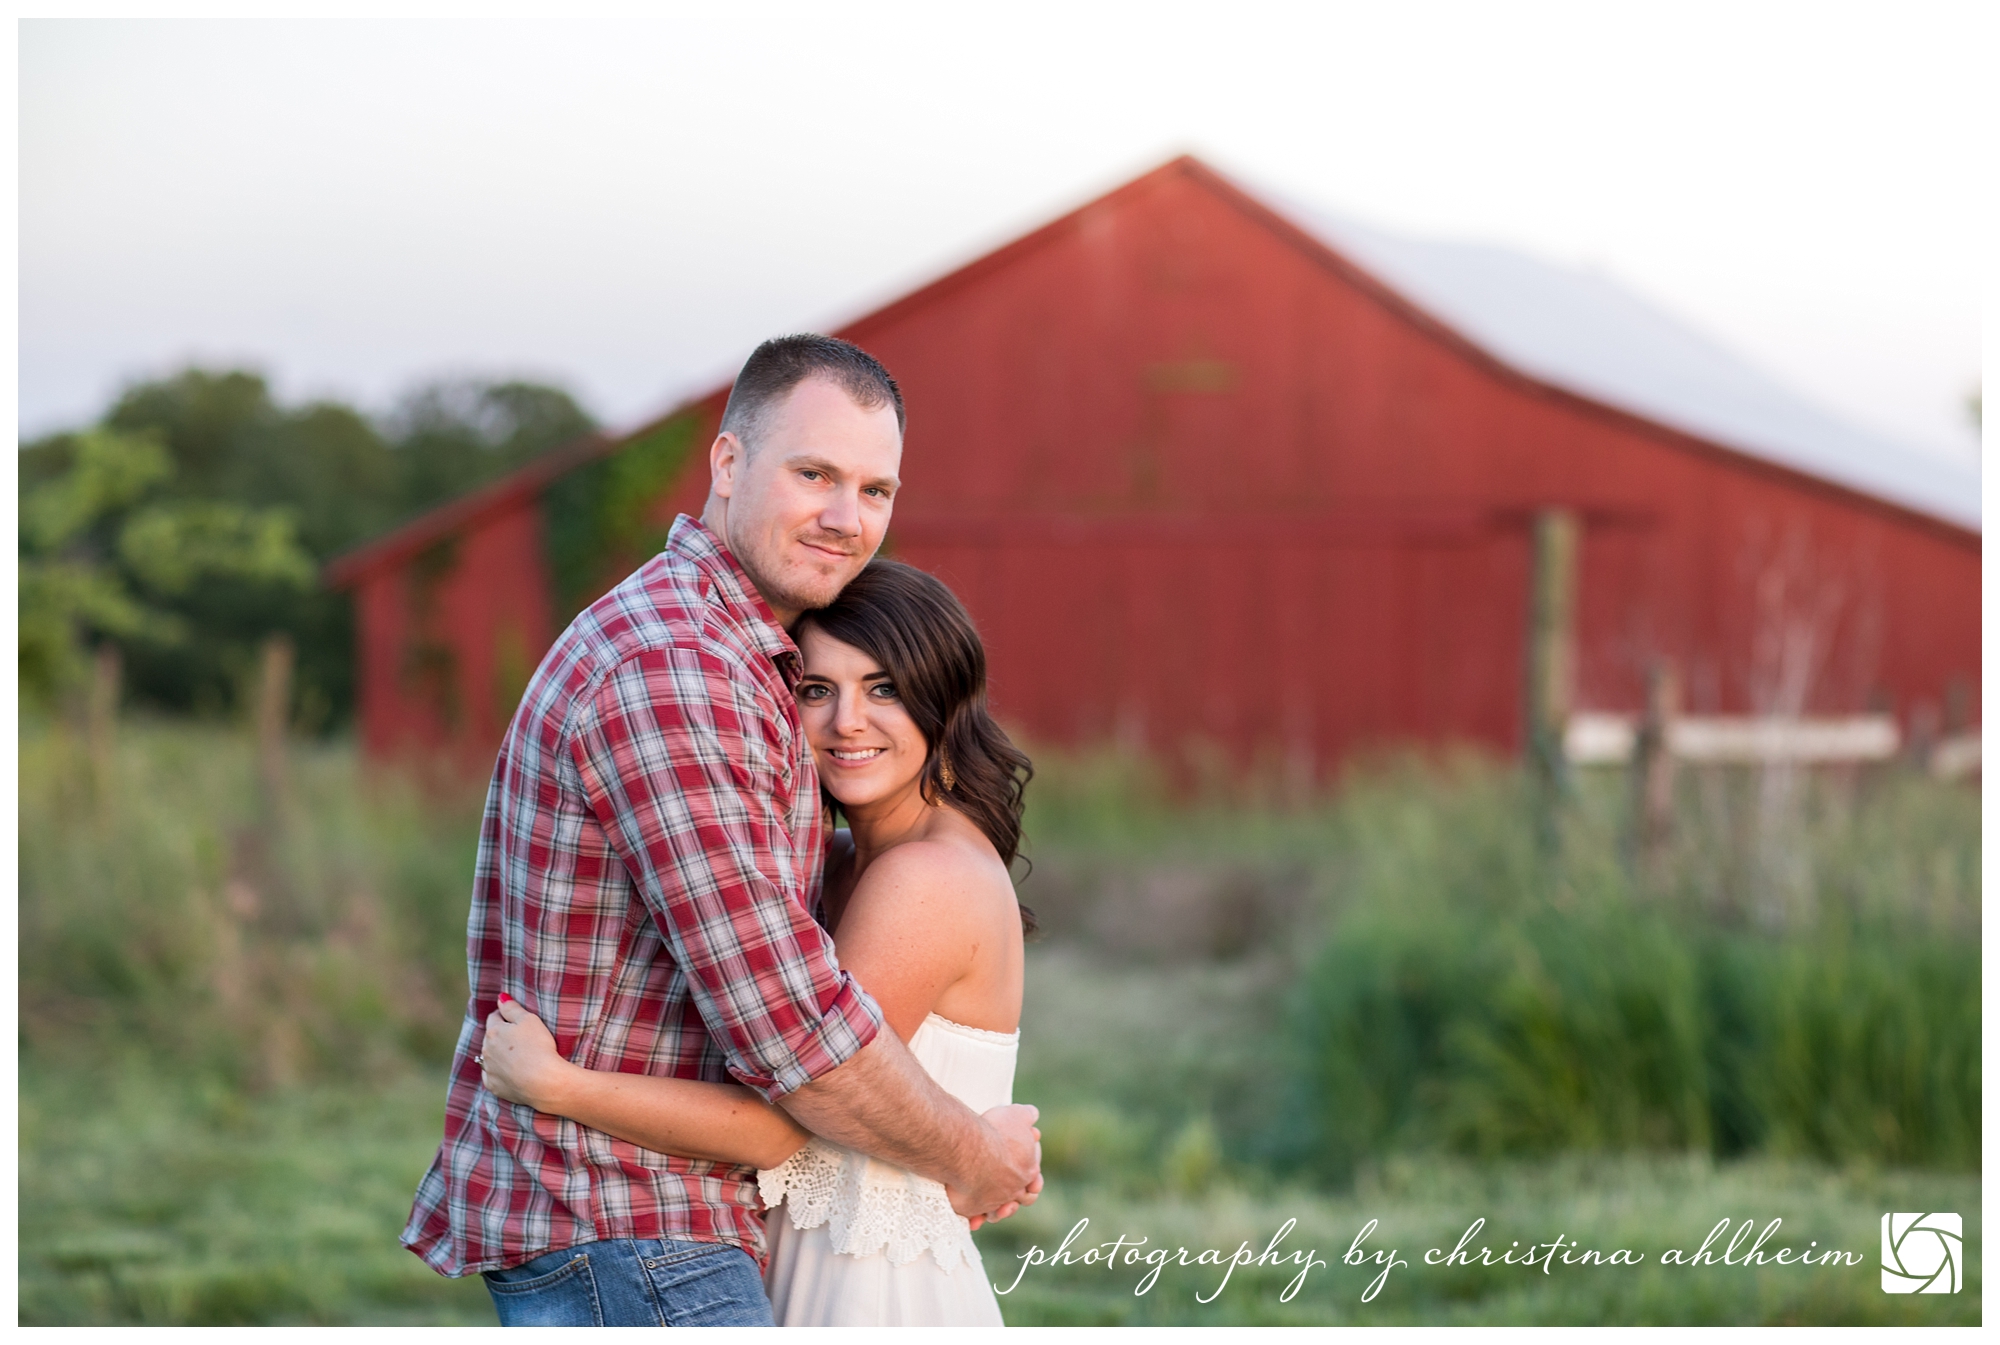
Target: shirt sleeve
point(680, 762)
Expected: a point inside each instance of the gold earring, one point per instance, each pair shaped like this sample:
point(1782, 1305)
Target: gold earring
point(945, 777)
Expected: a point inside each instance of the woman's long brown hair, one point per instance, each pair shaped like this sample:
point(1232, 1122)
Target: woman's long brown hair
point(916, 629)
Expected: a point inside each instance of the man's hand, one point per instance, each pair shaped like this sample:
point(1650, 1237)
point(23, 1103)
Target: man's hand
point(1012, 1176)
point(1011, 1207)
point(882, 1102)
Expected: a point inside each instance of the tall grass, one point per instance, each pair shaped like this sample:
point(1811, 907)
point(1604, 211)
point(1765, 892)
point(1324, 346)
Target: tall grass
point(1471, 992)
point(153, 1198)
point(235, 1011)
point(1445, 983)
point(171, 907)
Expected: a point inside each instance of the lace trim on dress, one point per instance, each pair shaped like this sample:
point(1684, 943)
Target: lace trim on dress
point(868, 1206)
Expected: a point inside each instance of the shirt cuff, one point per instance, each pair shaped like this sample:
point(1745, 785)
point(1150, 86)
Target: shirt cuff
point(849, 1022)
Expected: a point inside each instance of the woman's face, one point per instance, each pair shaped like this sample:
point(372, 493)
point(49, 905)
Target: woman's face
point(865, 743)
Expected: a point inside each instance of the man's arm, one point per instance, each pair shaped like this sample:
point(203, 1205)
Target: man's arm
point(730, 1124)
point(884, 1103)
point(675, 759)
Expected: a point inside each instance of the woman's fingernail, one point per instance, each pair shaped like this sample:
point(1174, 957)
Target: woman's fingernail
point(506, 998)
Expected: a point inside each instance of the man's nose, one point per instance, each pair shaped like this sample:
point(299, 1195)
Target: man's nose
point(842, 514)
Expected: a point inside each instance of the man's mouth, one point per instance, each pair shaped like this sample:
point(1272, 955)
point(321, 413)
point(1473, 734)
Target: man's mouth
point(856, 754)
point(834, 549)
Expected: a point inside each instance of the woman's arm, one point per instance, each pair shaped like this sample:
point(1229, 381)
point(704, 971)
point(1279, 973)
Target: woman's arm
point(724, 1122)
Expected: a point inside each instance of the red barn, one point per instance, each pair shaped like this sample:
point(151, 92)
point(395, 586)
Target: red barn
point(1211, 470)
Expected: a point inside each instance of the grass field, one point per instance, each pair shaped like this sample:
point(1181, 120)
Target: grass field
point(234, 1007)
point(1123, 1156)
point(147, 1200)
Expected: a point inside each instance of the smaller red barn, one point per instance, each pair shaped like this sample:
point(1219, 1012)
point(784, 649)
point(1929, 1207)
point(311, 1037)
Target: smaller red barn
point(1213, 471)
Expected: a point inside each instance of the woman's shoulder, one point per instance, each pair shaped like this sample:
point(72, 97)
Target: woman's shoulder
point(933, 859)
point(945, 865)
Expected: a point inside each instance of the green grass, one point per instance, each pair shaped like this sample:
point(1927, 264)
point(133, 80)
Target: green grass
point(1384, 1004)
point(1143, 1072)
point(147, 1197)
point(169, 899)
point(150, 1199)
point(1451, 987)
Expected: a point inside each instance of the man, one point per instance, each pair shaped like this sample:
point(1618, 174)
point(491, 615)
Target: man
point(649, 855)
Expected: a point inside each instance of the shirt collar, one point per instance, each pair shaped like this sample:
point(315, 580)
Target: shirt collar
point(728, 586)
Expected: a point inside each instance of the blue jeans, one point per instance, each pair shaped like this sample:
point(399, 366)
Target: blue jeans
point(633, 1282)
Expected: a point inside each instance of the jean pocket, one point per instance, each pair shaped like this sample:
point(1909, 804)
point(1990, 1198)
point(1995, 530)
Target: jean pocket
point(708, 1284)
point(566, 1296)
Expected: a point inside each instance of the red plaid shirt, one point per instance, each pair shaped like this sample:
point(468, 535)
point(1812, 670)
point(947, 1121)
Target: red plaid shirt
point(647, 867)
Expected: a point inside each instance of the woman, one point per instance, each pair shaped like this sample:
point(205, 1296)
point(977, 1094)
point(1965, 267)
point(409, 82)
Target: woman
point(919, 897)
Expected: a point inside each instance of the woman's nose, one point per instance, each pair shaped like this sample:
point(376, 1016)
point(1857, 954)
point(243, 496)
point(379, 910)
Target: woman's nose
point(850, 715)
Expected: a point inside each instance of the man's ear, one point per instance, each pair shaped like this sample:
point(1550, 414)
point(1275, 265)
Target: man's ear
point(725, 459)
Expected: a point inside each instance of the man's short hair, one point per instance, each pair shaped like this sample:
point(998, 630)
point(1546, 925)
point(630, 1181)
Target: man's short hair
point(784, 362)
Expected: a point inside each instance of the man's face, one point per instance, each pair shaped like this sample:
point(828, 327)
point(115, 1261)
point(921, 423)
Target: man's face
point(806, 508)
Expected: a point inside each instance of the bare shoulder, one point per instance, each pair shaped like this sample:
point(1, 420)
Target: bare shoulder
point(933, 927)
point(939, 865)
point(946, 868)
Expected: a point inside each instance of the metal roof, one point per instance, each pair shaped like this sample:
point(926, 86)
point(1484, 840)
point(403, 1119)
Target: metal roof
point(1584, 333)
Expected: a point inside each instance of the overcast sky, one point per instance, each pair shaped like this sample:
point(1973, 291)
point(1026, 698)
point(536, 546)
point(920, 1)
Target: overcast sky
point(626, 206)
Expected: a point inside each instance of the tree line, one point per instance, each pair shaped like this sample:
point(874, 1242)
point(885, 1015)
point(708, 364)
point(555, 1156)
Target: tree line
point(189, 523)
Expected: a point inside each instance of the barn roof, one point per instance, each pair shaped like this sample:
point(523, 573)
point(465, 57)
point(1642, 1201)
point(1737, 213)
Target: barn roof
point(1583, 333)
point(1571, 330)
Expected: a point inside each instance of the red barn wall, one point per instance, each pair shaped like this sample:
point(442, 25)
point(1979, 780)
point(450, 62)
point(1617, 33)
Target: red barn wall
point(1196, 482)
point(1199, 481)
point(449, 638)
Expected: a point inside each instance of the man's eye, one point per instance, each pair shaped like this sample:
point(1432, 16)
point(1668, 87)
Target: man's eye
point(810, 476)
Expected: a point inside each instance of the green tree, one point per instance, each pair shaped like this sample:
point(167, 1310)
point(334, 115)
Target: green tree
point(455, 436)
point(338, 476)
point(231, 441)
point(102, 544)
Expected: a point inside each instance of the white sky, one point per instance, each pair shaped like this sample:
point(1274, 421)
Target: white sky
point(627, 205)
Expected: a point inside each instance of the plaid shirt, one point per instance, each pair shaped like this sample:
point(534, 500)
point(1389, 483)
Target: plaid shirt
point(647, 867)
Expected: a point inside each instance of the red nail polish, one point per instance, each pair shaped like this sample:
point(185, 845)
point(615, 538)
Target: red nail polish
point(506, 998)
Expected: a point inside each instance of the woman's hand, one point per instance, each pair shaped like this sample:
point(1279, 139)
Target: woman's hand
point(519, 1061)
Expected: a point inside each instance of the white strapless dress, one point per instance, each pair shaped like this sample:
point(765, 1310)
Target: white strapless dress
point(860, 1242)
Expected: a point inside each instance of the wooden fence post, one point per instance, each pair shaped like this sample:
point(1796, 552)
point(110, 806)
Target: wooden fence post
point(274, 713)
point(1551, 658)
point(1653, 765)
point(107, 668)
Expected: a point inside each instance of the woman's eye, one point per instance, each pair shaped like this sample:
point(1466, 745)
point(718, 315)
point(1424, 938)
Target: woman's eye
point(812, 693)
point(882, 691)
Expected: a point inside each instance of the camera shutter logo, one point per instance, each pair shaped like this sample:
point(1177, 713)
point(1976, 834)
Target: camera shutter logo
point(1922, 1253)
